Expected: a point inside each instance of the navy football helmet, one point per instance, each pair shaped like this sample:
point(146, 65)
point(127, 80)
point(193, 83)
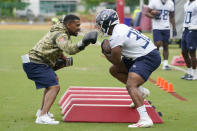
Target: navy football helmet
point(106, 18)
point(164, 1)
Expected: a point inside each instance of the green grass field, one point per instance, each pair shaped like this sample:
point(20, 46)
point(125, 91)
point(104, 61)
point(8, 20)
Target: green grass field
point(19, 100)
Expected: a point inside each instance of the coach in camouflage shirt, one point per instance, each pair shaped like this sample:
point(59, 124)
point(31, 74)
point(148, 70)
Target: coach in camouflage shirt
point(52, 45)
point(47, 56)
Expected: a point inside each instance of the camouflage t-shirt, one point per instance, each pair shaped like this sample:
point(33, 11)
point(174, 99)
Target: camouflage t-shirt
point(52, 45)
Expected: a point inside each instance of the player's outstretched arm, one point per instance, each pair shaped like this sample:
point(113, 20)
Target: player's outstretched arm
point(71, 49)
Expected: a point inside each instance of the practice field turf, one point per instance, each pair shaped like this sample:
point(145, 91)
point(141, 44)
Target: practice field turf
point(19, 100)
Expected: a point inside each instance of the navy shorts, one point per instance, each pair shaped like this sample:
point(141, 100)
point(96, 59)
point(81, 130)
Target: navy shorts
point(144, 65)
point(161, 35)
point(43, 75)
point(189, 40)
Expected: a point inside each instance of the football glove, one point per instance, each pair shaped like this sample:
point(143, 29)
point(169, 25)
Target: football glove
point(90, 37)
point(157, 16)
point(63, 62)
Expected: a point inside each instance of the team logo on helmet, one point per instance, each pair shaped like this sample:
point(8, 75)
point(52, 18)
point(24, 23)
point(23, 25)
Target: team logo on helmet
point(104, 16)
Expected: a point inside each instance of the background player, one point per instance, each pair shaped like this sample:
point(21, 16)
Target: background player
point(162, 14)
point(189, 39)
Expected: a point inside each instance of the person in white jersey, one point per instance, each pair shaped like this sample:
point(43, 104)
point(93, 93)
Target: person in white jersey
point(189, 39)
point(133, 56)
point(162, 14)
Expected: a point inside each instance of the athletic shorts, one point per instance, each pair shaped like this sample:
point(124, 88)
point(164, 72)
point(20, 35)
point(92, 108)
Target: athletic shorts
point(144, 65)
point(161, 35)
point(43, 75)
point(189, 40)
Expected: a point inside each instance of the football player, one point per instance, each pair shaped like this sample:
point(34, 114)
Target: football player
point(133, 56)
point(189, 39)
point(162, 14)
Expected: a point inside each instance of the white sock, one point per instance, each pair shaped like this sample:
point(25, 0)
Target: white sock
point(142, 112)
point(165, 62)
point(189, 71)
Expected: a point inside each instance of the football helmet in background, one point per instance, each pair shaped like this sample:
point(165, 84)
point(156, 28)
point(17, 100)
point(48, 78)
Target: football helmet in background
point(106, 18)
point(164, 1)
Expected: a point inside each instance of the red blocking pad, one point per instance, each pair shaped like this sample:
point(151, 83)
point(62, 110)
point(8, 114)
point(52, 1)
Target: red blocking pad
point(97, 88)
point(107, 101)
point(93, 96)
point(95, 101)
point(92, 92)
point(107, 113)
point(178, 61)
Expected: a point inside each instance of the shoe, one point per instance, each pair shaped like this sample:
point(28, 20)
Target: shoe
point(39, 112)
point(45, 119)
point(166, 67)
point(195, 78)
point(145, 92)
point(185, 76)
point(142, 123)
point(189, 77)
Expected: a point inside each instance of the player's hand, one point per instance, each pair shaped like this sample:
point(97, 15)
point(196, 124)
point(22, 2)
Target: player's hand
point(90, 37)
point(156, 14)
point(157, 17)
point(174, 33)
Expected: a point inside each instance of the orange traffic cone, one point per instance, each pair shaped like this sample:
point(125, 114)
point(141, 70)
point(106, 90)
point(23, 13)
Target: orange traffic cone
point(170, 88)
point(161, 83)
point(158, 81)
point(165, 86)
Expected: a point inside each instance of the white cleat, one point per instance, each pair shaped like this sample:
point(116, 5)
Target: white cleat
point(194, 78)
point(45, 119)
point(39, 112)
point(145, 92)
point(142, 123)
point(132, 105)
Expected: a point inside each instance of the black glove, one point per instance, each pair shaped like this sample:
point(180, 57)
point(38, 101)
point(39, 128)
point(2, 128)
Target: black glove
point(174, 33)
point(90, 37)
point(61, 62)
